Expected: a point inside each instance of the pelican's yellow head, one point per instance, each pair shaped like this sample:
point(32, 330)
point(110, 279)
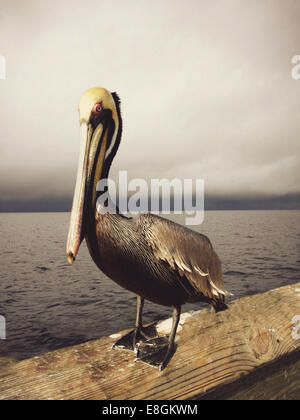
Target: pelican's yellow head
point(100, 132)
point(96, 96)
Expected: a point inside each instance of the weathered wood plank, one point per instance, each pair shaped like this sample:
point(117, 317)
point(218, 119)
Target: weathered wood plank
point(277, 381)
point(214, 351)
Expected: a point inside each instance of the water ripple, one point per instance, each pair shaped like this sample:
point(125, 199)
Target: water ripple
point(49, 304)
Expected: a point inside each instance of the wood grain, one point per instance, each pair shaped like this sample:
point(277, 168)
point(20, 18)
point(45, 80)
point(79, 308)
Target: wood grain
point(214, 351)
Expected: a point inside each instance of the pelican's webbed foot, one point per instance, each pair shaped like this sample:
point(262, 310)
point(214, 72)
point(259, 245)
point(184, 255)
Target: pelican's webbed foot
point(136, 336)
point(156, 352)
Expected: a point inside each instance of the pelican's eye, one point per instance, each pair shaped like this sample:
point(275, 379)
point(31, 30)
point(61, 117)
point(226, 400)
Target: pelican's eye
point(97, 109)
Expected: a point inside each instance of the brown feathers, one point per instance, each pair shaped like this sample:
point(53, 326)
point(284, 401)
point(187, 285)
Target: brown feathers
point(187, 252)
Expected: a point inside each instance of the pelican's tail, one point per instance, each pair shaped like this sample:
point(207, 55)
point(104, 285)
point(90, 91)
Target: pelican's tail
point(219, 306)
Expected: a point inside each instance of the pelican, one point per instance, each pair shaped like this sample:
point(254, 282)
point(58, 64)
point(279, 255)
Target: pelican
point(156, 259)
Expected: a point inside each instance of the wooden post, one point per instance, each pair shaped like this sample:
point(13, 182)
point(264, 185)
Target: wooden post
point(231, 354)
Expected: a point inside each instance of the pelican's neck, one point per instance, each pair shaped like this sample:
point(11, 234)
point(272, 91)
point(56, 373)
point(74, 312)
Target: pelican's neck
point(111, 153)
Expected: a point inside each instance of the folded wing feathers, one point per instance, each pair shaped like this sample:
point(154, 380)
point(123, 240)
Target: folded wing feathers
point(216, 289)
point(170, 243)
point(201, 272)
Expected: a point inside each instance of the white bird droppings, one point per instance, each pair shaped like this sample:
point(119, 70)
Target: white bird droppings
point(115, 335)
point(166, 325)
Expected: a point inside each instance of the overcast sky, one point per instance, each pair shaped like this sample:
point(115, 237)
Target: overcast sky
point(206, 91)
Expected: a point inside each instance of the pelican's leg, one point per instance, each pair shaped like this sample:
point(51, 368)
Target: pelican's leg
point(171, 345)
point(130, 340)
point(158, 351)
point(138, 322)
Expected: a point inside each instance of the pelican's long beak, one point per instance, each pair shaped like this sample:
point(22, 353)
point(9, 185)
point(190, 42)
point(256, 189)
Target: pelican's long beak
point(91, 157)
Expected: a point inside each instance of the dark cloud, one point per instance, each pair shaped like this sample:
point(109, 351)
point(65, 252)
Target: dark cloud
point(206, 92)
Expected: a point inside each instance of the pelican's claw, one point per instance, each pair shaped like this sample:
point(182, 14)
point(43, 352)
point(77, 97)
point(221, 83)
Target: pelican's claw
point(155, 352)
point(127, 341)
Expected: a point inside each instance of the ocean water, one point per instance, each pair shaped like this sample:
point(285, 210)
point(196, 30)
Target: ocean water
point(49, 304)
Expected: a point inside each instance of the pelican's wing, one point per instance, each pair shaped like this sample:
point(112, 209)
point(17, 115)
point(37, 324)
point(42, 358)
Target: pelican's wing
point(189, 253)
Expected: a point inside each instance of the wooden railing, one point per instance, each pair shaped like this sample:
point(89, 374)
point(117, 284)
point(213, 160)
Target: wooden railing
point(251, 350)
